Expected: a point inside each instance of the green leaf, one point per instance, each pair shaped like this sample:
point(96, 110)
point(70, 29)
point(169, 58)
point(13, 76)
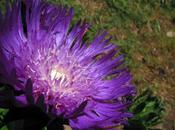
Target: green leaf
point(148, 110)
point(4, 128)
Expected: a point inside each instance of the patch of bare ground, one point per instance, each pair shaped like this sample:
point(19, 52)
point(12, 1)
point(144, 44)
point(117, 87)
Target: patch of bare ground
point(91, 6)
point(157, 68)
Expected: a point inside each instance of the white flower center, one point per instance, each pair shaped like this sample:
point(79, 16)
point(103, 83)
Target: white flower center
point(56, 74)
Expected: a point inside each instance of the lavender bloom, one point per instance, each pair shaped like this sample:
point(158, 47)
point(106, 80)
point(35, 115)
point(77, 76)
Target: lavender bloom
point(83, 82)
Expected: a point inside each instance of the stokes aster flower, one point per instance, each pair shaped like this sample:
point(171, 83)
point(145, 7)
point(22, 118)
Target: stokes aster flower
point(83, 82)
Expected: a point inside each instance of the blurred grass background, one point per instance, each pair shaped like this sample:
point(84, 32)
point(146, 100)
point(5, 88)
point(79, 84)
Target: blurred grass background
point(145, 32)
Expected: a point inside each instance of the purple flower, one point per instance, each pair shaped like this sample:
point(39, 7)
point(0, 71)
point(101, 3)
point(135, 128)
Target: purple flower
point(42, 56)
